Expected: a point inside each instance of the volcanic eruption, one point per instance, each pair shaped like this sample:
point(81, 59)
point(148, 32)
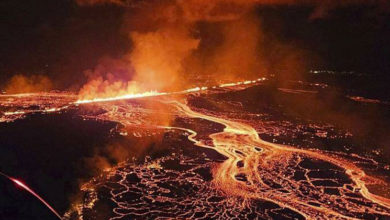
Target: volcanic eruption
point(207, 112)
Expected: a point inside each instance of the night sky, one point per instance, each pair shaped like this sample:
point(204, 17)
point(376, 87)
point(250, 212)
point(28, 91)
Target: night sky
point(60, 39)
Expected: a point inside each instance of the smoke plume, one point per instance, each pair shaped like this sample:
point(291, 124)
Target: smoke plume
point(25, 84)
point(165, 37)
point(171, 44)
point(157, 56)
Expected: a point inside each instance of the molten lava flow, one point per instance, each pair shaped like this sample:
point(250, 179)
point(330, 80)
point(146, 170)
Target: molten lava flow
point(255, 169)
point(28, 189)
point(240, 143)
point(305, 183)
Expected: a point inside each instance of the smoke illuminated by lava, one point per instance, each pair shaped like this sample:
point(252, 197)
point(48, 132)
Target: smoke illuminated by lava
point(167, 52)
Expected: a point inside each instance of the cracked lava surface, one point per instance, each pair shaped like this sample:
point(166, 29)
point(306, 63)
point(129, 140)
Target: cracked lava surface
point(247, 178)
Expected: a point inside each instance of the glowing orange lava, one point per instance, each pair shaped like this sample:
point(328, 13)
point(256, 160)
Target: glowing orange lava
point(254, 169)
point(240, 142)
point(259, 170)
point(155, 93)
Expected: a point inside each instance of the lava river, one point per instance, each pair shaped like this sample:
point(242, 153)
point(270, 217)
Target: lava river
point(256, 169)
point(256, 179)
point(217, 166)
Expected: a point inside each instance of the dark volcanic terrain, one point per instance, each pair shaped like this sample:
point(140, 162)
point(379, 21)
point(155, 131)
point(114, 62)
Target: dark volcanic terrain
point(260, 151)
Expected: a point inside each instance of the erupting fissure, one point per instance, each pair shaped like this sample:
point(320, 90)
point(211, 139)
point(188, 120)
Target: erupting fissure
point(156, 93)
